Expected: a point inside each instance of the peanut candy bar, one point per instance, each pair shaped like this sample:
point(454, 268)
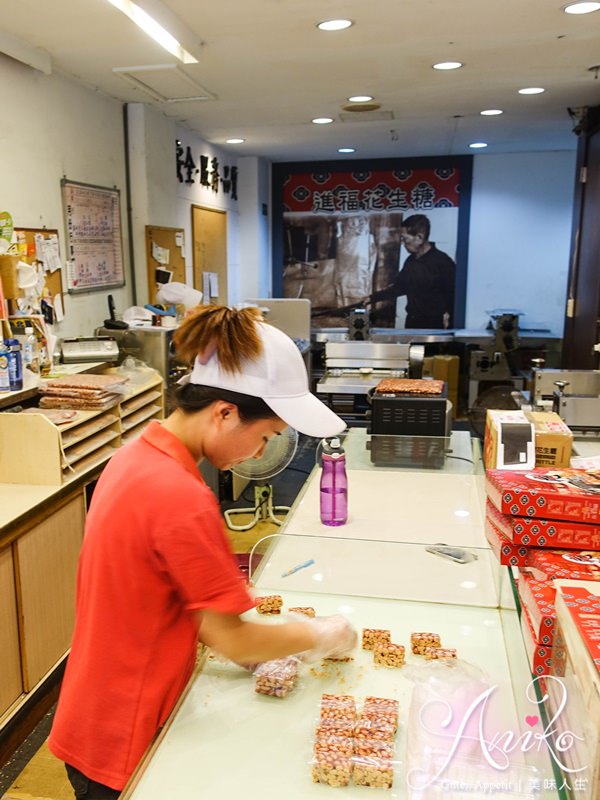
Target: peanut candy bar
point(372, 635)
point(271, 604)
point(439, 652)
point(307, 611)
point(419, 641)
point(387, 654)
point(373, 771)
point(339, 728)
point(384, 708)
point(374, 728)
point(276, 678)
point(373, 747)
point(338, 707)
point(332, 768)
point(341, 745)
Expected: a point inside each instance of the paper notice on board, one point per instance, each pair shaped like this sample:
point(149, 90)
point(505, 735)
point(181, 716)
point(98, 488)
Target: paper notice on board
point(179, 238)
point(206, 286)
point(214, 284)
point(160, 254)
point(59, 313)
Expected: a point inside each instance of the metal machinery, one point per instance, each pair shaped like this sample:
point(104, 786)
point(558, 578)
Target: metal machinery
point(574, 394)
point(491, 365)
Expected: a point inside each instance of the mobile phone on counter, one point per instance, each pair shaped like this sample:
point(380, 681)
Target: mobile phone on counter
point(456, 554)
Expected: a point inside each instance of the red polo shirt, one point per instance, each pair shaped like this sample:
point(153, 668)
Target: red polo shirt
point(154, 552)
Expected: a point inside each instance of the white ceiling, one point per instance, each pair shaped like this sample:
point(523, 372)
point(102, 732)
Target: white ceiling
point(271, 70)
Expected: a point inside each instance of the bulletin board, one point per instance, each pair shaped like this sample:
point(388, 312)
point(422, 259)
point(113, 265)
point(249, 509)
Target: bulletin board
point(94, 240)
point(29, 250)
point(164, 254)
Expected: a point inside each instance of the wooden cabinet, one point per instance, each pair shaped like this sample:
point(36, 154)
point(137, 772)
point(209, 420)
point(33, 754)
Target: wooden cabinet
point(46, 558)
point(11, 682)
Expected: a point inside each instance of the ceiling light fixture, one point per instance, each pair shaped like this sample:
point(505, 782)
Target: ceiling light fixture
point(532, 90)
point(446, 65)
point(478, 145)
point(360, 98)
point(156, 31)
point(491, 112)
point(346, 149)
point(581, 8)
point(322, 120)
point(334, 24)
point(235, 141)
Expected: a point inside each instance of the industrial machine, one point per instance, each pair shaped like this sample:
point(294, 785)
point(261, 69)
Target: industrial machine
point(491, 365)
point(574, 394)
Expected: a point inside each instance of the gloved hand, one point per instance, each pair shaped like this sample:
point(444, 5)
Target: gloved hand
point(335, 637)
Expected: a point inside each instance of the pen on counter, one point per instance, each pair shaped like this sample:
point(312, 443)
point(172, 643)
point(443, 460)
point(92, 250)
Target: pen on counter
point(298, 567)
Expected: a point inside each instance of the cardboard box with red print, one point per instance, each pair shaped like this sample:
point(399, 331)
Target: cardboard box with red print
point(538, 655)
point(578, 565)
point(512, 555)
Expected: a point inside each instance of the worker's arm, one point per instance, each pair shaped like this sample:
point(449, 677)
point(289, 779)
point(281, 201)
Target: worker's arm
point(250, 642)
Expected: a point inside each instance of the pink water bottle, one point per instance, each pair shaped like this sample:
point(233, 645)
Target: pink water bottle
point(334, 484)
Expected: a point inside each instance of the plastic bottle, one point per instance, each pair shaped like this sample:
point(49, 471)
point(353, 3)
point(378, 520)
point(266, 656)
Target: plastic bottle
point(334, 483)
point(15, 365)
point(4, 376)
point(30, 351)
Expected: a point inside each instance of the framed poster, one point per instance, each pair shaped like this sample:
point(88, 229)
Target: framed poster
point(93, 237)
point(389, 235)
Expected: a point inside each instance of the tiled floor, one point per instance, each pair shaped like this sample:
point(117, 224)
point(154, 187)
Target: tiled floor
point(33, 773)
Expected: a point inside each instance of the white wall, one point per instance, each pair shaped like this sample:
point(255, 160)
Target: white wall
point(520, 229)
point(52, 127)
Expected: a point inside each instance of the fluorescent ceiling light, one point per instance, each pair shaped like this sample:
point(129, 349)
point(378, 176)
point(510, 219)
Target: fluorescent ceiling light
point(322, 120)
point(532, 90)
point(491, 112)
point(156, 31)
point(360, 98)
point(581, 8)
point(346, 149)
point(334, 24)
point(478, 145)
point(448, 65)
point(235, 141)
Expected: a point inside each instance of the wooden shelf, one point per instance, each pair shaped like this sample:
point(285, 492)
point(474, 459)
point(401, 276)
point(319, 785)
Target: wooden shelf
point(36, 451)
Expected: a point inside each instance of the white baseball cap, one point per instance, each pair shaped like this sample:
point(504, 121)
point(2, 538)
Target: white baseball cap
point(278, 376)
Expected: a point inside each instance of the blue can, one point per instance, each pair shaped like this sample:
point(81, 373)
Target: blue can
point(15, 364)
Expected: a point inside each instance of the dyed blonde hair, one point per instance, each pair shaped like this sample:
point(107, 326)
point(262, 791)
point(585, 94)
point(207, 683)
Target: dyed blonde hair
point(229, 332)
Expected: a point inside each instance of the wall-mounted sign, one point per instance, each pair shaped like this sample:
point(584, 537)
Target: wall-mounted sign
point(205, 170)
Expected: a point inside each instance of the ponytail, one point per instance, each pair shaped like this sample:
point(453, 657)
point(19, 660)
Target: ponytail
point(229, 332)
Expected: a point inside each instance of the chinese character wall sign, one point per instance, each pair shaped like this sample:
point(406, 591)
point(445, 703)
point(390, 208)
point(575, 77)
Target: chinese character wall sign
point(94, 244)
point(388, 236)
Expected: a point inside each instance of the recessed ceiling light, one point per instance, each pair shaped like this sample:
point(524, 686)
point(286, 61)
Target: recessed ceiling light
point(532, 90)
point(491, 112)
point(360, 98)
point(235, 141)
point(334, 24)
point(322, 120)
point(581, 8)
point(346, 149)
point(448, 65)
point(478, 145)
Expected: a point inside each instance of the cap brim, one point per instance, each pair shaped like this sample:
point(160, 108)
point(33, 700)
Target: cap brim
point(307, 415)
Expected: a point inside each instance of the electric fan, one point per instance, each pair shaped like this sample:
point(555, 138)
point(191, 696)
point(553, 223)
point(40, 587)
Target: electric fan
point(277, 455)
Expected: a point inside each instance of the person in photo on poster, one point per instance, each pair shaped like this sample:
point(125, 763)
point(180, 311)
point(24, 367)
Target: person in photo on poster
point(427, 279)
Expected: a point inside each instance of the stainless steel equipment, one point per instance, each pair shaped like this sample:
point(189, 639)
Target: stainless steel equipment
point(574, 394)
point(578, 381)
point(355, 367)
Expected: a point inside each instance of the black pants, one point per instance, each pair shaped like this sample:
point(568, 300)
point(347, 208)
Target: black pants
point(87, 789)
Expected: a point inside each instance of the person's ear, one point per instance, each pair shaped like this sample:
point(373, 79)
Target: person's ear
point(225, 413)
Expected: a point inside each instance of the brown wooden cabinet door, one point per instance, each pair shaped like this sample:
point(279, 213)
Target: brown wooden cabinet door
point(209, 231)
point(11, 683)
point(47, 557)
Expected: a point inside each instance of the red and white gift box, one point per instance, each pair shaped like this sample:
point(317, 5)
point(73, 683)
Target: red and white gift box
point(565, 494)
point(577, 565)
point(539, 655)
point(506, 552)
point(538, 599)
point(536, 532)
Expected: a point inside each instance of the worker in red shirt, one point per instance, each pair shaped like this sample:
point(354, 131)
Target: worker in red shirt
point(156, 573)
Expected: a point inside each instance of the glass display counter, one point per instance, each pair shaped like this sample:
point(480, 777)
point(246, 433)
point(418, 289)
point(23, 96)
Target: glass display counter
point(224, 740)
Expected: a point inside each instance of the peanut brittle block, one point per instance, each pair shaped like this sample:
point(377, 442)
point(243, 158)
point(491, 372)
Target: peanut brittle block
point(307, 611)
point(342, 745)
point(333, 769)
point(373, 747)
point(374, 728)
point(340, 728)
point(372, 635)
point(338, 707)
point(373, 771)
point(439, 652)
point(388, 654)
point(383, 708)
point(276, 678)
point(271, 604)
point(420, 641)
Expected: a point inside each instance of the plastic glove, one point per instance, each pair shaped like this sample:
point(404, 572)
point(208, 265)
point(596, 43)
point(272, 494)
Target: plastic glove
point(335, 637)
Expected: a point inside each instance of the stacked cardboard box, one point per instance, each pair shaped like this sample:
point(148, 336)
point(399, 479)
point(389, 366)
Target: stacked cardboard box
point(444, 368)
point(551, 443)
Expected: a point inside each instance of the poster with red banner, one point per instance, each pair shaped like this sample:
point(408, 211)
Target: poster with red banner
point(387, 236)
